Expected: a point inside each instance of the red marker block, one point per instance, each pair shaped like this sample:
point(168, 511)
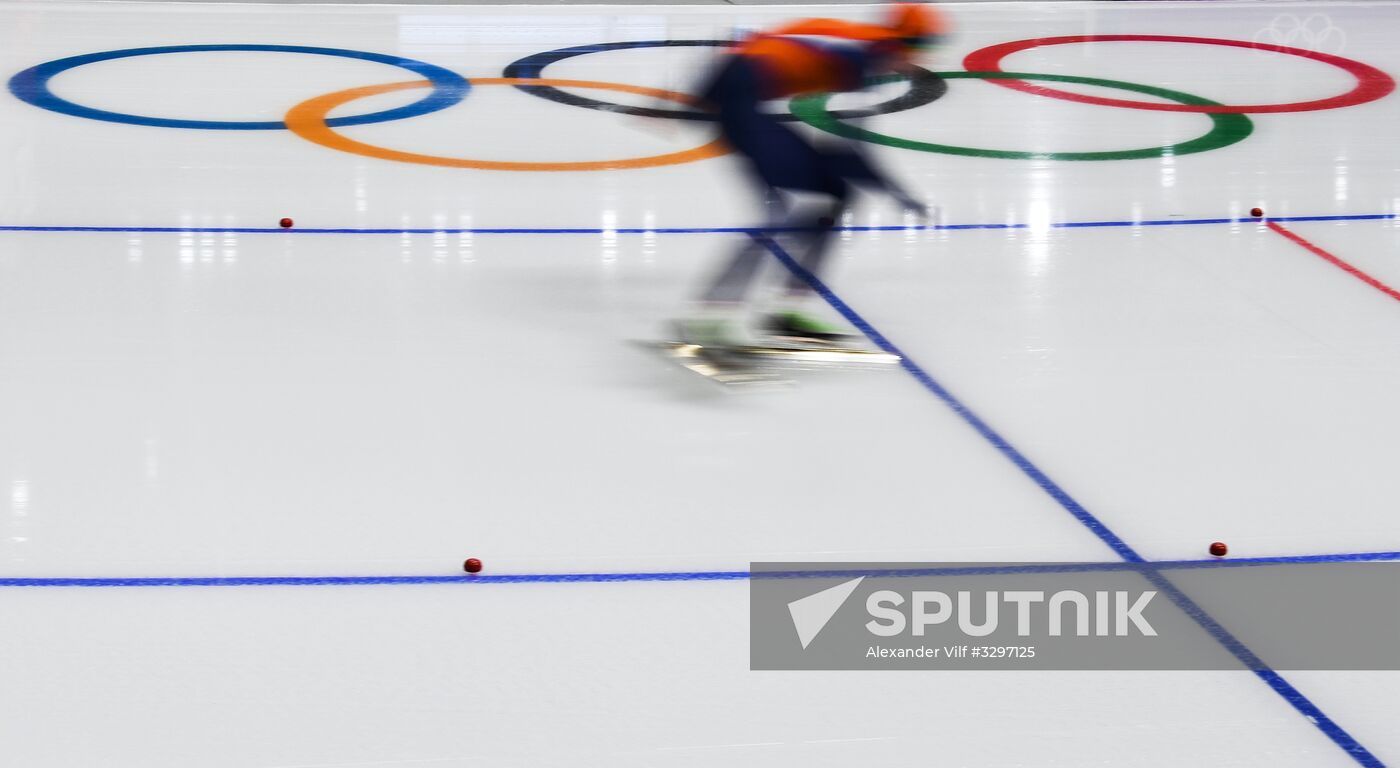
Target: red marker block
point(1219, 549)
point(286, 223)
point(473, 565)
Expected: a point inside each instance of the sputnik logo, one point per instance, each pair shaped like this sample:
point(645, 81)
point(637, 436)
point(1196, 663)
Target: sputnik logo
point(812, 613)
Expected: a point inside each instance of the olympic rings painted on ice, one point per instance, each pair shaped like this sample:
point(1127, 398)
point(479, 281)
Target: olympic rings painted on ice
point(924, 86)
point(32, 86)
point(1371, 83)
point(1226, 129)
point(308, 120)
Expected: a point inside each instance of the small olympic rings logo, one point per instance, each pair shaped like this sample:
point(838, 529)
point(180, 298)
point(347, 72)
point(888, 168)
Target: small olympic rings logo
point(310, 119)
point(1315, 33)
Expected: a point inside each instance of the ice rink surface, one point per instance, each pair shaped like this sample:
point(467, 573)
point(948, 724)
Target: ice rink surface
point(436, 362)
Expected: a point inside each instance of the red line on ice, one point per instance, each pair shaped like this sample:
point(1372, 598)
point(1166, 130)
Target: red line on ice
point(1335, 260)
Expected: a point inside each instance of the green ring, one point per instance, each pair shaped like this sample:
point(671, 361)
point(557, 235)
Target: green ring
point(1226, 128)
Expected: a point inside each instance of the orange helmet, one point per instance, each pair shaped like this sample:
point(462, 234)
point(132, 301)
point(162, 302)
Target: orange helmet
point(920, 25)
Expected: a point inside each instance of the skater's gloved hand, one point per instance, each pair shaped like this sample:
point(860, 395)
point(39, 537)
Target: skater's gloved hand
point(913, 206)
point(906, 200)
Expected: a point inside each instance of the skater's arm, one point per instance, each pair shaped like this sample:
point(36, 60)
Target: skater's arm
point(907, 201)
point(887, 184)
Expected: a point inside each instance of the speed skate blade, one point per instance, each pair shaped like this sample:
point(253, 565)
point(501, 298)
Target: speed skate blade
point(820, 355)
point(726, 368)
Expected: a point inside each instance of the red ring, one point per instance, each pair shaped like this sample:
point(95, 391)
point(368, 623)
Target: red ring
point(1371, 83)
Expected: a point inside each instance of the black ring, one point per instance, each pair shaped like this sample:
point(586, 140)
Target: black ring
point(924, 86)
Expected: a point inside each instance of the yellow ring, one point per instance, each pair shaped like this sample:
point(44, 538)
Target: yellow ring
point(308, 120)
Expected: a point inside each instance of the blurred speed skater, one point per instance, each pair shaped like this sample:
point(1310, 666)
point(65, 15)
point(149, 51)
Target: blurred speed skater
point(803, 57)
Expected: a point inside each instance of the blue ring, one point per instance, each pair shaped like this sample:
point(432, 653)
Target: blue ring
point(32, 86)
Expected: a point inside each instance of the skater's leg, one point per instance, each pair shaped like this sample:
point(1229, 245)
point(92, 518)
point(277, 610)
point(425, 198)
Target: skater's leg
point(778, 158)
point(731, 284)
point(789, 316)
point(815, 235)
point(781, 159)
point(719, 316)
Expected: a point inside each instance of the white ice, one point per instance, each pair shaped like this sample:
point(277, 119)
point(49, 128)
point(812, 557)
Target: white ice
point(212, 403)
